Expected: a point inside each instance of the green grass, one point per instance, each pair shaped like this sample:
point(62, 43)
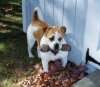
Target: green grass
point(11, 20)
point(3, 47)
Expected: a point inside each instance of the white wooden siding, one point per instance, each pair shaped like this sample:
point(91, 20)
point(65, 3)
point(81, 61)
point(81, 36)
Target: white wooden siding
point(82, 18)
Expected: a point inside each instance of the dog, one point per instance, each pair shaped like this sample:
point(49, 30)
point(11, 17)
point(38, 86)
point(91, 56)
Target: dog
point(49, 37)
point(53, 46)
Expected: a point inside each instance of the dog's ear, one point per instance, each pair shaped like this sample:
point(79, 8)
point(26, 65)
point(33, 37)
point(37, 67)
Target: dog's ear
point(63, 29)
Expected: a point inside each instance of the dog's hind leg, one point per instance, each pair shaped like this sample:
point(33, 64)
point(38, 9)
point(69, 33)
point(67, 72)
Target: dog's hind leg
point(30, 43)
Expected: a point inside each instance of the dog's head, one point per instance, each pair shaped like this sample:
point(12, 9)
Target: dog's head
point(55, 37)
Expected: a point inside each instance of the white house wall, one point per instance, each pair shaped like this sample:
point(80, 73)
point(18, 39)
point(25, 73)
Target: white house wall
point(82, 18)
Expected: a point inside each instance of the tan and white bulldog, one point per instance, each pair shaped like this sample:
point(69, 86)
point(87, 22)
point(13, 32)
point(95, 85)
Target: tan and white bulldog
point(50, 39)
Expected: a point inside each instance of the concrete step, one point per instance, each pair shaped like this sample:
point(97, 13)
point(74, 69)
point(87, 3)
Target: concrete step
point(92, 80)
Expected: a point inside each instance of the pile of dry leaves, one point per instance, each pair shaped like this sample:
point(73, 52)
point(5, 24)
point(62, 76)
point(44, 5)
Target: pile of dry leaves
point(57, 77)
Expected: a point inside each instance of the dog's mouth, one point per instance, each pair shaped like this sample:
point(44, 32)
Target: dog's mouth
point(55, 51)
point(46, 48)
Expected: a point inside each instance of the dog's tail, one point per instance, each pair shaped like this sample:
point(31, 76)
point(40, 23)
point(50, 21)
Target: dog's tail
point(37, 14)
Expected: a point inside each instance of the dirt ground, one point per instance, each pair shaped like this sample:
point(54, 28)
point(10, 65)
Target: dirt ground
point(14, 61)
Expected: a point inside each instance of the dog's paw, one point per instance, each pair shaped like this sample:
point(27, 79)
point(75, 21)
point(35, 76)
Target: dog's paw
point(45, 75)
point(31, 56)
point(64, 65)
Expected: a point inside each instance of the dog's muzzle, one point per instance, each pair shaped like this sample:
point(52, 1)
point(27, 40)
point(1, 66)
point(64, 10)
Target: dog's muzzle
point(56, 46)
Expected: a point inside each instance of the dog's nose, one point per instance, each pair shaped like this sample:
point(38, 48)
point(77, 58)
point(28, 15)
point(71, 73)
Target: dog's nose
point(56, 46)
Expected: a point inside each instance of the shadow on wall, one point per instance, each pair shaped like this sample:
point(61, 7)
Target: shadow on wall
point(75, 54)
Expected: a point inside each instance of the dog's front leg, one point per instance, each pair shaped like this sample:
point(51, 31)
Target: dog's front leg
point(45, 65)
point(64, 62)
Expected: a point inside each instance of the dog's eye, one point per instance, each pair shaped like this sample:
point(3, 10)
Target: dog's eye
point(60, 39)
point(52, 38)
